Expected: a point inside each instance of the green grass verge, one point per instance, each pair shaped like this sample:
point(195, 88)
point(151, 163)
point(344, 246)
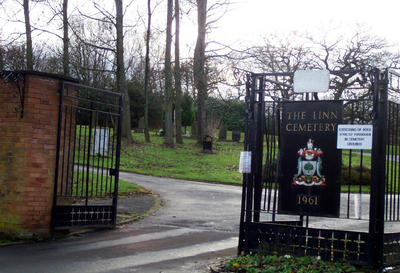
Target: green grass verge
point(103, 187)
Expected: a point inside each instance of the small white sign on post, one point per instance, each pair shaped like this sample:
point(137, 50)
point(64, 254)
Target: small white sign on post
point(311, 81)
point(245, 162)
point(354, 136)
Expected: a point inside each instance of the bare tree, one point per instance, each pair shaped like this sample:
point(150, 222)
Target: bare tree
point(65, 38)
point(91, 65)
point(28, 34)
point(147, 73)
point(121, 77)
point(279, 54)
point(199, 69)
point(361, 51)
point(177, 75)
point(168, 79)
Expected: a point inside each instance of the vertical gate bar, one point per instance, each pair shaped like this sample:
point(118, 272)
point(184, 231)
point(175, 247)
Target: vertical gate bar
point(268, 161)
point(100, 173)
point(98, 154)
point(250, 180)
point(73, 154)
point(79, 156)
point(92, 147)
point(387, 190)
point(63, 152)
point(359, 183)
point(348, 186)
point(69, 154)
point(84, 156)
point(350, 158)
point(95, 168)
point(397, 160)
point(117, 158)
point(361, 164)
point(394, 157)
point(88, 155)
point(377, 203)
point(387, 186)
point(278, 120)
point(273, 153)
point(259, 151)
point(268, 158)
point(269, 140)
point(112, 181)
point(391, 160)
point(264, 181)
point(106, 128)
point(245, 175)
point(111, 132)
point(60, 110)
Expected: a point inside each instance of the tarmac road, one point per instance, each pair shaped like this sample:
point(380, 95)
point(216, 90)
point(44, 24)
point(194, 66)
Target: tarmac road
point(196, 223)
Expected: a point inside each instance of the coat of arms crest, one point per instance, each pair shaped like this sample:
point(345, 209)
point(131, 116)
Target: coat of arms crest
point(309, 164)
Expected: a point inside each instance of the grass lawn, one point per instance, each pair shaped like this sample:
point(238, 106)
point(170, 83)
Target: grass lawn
point(103, 189)
point(185, 161)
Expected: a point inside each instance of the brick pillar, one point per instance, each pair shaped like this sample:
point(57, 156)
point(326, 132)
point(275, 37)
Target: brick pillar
point(28, 154)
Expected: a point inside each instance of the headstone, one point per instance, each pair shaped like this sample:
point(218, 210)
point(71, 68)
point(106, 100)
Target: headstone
point(100, 142)
point(236, 136)
point(207, 143)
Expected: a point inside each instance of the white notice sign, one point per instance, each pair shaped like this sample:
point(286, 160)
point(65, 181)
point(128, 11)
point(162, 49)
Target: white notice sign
point(354, 136)
point(311, 81)
point(245, 162)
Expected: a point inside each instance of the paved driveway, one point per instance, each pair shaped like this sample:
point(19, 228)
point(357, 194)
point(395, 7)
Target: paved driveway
point(196, 223)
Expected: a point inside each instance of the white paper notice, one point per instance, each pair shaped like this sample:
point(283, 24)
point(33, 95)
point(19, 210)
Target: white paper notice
point(245, 162)
point(354, 136)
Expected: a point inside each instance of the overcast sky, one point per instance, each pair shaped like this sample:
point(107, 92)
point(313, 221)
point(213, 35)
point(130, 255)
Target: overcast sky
point(247, 20)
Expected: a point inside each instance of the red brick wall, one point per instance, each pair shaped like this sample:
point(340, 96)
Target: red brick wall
point(28, 155)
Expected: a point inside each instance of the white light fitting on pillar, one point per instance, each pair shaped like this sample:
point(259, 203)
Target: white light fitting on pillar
point(311, 81)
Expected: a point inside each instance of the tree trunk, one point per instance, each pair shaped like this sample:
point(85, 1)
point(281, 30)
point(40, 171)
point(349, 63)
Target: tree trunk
point(28, 33)
point(65, 39)
point(199, 72)
point(168, 80)
point(222, 132)
point(121, 79)
point(147, 74)
point(178, 86)
point(1, 59)
point(193, 130)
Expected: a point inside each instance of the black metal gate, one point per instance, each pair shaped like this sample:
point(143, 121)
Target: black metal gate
point(364, 234)
point(88, 152)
